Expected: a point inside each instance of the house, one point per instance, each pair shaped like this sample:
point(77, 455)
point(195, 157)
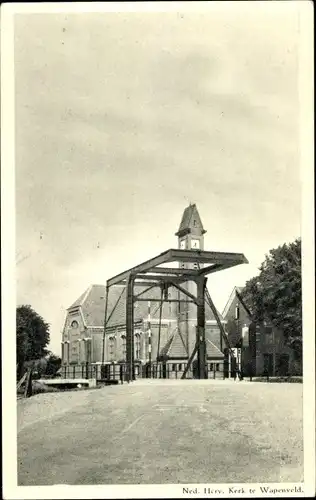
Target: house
point(263, 347)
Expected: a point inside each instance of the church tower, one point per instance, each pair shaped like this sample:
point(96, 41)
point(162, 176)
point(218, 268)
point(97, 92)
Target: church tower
point(190, 237)
point(191, 232)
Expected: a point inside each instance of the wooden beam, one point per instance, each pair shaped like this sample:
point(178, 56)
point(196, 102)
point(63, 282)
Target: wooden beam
point(239, 297)
point(136, 299)
point(201, 353)
point(173, 270)
point(105, 322)
point(141, 283)
point(183, 290)
point(130, 329)
point(165, 278)
point(146, 290)
point(217, 267)
point(173, 255)
point(203, 256)
point(189, 361)
point(144, 266)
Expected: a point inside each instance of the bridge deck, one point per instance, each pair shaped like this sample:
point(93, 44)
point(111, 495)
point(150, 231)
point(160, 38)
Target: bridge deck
point(154, 431)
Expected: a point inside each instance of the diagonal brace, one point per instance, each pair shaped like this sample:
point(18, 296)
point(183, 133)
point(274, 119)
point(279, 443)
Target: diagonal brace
point(183, 290)
point(190, 361)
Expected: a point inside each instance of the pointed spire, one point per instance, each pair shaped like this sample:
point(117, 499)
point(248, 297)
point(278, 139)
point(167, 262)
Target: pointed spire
point(190, 220)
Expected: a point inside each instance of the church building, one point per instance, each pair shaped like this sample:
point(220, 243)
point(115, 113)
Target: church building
point(163, 331)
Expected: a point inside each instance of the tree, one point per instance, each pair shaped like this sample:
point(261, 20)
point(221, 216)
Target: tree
point(53, 364)
point(275, 295)
point(32, 335)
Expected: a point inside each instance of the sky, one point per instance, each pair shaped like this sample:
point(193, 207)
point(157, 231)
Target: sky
point(123, 119)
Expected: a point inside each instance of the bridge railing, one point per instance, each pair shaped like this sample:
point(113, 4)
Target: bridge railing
point(160, 370)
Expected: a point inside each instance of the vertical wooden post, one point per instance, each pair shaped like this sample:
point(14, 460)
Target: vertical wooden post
point(130, 328)
point(105, 322)
point(201, 285)
point(149, 336)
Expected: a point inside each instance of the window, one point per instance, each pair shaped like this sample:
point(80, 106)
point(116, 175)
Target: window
point(217, 367)
point(137, 345)
point(123, 337)
point(87, 346)
point(267, 364)
point(67, 353)
point(211, 366)
point(282, 365)
point(268, 335)
point(180, 367)
point(63, 352)
point(111, 346)
point(74, 324)
point(174, 367)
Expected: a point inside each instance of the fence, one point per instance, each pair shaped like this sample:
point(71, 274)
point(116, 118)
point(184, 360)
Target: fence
point(160, 370)
point(176, 370)
point(87, 371)
point(98, 372)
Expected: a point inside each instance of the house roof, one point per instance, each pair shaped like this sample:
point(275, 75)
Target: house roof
point(190, 215)
point(212, 351)
point(175, 347)
point(92, 304)
point(80, 299)
point(231, 299)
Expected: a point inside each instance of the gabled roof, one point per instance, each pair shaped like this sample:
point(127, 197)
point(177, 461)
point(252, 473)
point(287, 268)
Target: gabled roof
point(92, 304)
point(175, 346)
point(209, 316)
point(212, 351)
point(190, 219)
point(79, 301)
point(231, 299)
point(165, 350)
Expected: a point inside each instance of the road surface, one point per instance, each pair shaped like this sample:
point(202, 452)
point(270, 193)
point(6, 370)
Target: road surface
point(152, 432)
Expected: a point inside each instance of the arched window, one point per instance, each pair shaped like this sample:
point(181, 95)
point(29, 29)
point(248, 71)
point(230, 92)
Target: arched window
point(137, 346)
point(112, 346)
point(123, 338)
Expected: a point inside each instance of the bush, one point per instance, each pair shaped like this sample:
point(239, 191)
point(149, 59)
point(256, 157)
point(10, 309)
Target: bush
point(38, 388)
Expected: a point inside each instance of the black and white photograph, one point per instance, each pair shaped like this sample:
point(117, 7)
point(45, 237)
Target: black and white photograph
point(160, 338)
